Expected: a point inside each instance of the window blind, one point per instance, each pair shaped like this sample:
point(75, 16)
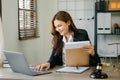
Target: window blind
point(28, 19)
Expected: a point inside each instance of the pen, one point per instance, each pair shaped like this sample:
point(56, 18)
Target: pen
point(77, 67)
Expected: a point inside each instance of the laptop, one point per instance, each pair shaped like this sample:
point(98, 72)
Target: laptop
point(19, 64)
point(74, 56)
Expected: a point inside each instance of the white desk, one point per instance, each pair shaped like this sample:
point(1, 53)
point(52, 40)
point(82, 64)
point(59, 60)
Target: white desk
point(7, 74)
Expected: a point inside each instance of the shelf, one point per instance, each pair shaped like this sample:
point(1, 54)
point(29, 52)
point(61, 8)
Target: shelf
point(107, 18)
point(109, 11)
point(107, 34)
point(103, 6)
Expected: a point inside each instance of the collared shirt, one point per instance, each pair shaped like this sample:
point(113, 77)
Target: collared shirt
point(65, 41)
point(69, 40)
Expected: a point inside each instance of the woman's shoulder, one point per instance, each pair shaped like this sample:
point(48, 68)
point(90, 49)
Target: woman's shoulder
point(83, 31)
point(81, 35)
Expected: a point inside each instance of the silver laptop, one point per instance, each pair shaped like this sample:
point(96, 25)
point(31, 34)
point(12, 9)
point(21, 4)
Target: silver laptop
point(19, 64)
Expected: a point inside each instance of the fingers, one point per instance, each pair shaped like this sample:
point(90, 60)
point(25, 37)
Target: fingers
point(89, 49)
point(43, 66)
point(46, 66)
point(39, 67)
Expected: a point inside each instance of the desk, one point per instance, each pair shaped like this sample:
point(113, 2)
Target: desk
point(7, 74)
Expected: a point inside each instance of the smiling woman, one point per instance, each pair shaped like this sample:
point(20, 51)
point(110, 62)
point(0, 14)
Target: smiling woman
point(65, 31)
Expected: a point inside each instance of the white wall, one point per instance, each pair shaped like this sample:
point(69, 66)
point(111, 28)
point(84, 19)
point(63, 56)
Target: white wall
point(81, 9)
point(1, 43)
point(36, 50)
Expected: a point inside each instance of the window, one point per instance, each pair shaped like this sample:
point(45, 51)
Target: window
point(27, 19)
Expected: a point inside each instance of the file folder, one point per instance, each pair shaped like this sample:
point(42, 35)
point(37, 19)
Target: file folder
point(103, 23)
point(107, 25)
point(100, 23)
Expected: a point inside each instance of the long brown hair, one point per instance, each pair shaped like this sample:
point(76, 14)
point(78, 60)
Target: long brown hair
point(57, 38)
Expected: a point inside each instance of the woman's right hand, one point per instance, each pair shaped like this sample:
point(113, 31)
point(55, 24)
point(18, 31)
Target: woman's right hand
point(39, 67)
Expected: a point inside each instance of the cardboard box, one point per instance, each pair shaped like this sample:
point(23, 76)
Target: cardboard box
point(76, 57)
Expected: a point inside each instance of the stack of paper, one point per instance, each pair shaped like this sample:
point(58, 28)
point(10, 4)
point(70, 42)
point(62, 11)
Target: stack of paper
point(78, 44)
point(72, 69)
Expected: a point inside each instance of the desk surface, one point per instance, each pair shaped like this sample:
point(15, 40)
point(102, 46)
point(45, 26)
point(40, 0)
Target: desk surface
point(7, 74)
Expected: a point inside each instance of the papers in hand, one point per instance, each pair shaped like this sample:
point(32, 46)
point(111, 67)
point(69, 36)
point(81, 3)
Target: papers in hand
point(78, 44)
point(72, 69)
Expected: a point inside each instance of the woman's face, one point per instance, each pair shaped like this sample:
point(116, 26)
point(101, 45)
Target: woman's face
point(61, 27)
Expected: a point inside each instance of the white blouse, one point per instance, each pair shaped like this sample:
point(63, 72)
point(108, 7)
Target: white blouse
point(65, 41)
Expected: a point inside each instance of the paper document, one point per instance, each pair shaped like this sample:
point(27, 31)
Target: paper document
point(72, 69)
point(78, 44)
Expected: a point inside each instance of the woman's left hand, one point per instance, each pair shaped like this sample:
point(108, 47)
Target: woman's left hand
point(89, 49)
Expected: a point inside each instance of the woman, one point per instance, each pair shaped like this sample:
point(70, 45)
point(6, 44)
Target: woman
point(63, 31)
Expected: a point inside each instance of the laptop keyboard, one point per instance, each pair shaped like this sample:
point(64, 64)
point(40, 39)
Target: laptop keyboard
point(41, 71)
point(32, 68)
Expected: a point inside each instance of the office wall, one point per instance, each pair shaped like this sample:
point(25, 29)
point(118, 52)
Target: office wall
point(1, 43)
point(82, 12)
point(36, 50)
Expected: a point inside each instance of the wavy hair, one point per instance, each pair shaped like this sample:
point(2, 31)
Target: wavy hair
point(57, 38)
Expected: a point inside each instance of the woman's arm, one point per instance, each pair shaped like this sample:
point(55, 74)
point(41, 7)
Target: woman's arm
point(55, 59)
point(82, 35)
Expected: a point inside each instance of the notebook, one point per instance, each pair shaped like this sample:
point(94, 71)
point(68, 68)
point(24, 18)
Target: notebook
point(72, 69)
point(19, 64)
point(74, 56)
